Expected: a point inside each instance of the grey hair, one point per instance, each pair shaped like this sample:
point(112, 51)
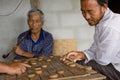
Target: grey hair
point(35, 11)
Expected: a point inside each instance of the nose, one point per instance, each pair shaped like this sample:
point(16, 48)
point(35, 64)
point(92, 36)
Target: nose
point(87, 16)
point(34, 23)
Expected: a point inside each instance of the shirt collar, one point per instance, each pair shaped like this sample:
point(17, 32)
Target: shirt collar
point(41, 37)
point(106, 16)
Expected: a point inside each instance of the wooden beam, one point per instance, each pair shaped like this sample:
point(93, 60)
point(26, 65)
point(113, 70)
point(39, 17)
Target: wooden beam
point(35, 3)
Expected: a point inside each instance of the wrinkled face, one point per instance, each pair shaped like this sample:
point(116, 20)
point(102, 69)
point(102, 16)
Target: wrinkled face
point(35, 22)
point(92, 11)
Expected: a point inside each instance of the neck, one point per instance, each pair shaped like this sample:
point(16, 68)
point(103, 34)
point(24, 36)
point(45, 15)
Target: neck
point(35, 36)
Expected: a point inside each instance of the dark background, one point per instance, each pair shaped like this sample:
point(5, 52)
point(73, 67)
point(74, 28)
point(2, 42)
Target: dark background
point(114, 5)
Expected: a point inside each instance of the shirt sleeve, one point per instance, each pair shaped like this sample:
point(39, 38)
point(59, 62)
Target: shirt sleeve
point(90, 52)
point(106, 48)
point(21, 41)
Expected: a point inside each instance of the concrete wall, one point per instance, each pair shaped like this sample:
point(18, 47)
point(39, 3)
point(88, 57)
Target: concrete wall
point(63, 19)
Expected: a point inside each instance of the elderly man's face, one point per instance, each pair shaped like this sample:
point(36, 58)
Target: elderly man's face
point(35, 22)
point(92, 11)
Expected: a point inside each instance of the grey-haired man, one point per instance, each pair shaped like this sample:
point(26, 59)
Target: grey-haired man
point(36, 41)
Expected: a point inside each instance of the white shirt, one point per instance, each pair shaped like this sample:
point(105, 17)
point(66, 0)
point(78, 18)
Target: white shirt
point(106, 46)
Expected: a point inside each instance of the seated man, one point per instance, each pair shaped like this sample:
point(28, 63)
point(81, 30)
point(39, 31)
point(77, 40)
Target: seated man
point(14, 68)
point(104, 54)
point(36, 41)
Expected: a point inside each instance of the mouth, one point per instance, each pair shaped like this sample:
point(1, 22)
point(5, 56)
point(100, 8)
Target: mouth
point(90, 22)
point(31, 28)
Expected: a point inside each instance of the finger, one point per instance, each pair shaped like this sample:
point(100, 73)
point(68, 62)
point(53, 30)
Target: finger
point(67, 56)
point(19, 72)
point(76, 59)
point(26, 65)
point(61, 58)
point(64, 57)
point(23, 69)
point(70, 54)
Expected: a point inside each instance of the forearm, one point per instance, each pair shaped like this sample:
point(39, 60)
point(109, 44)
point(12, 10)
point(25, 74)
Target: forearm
point(26, 54)
point(4, 68)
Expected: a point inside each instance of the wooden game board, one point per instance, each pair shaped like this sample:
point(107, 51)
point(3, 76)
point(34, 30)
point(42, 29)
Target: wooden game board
point(52, 64)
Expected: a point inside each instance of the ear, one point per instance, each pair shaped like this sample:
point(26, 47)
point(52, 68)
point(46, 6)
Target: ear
point(43, 22)
point(27, 20)
point(105, 6)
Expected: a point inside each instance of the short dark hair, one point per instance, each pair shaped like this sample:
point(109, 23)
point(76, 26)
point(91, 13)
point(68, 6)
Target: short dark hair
point(35, 11)
point(102, 2)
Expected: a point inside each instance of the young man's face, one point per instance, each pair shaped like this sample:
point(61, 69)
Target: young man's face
point(92, 11)
point(35, 22)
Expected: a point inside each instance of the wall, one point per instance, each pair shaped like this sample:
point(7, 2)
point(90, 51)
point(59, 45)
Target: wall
point(63, 19)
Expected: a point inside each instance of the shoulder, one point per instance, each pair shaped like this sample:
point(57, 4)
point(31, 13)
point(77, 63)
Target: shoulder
point(23, 33)
point(46, 33)
point(114, 22)
point(111, 21)
point(47, 36)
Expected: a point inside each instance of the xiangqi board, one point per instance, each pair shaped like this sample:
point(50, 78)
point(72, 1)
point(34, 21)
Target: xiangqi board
point(52, 68)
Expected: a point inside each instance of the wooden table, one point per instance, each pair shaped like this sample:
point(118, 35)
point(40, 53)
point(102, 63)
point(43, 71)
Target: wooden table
point(78, 72)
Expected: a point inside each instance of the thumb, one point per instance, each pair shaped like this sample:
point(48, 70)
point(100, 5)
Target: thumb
point(77, 58)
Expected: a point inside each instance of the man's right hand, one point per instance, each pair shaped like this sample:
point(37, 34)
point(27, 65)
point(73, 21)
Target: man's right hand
point(76, 55)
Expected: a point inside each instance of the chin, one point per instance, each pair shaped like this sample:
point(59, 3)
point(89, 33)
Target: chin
point(91, 24)
point(33, 31)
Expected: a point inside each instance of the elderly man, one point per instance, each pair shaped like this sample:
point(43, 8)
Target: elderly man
point(104, 54)
point(35, 42)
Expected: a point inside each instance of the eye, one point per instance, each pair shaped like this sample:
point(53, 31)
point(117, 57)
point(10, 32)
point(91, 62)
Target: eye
point(91, 12)
point(37, 21)
point(30, 21)
point(82, 11)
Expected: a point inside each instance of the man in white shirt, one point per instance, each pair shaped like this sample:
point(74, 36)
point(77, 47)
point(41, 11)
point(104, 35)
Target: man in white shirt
point(104, 54)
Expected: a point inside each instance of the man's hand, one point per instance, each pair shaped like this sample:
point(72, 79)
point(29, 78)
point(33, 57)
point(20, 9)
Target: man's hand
point(17, 68)
point(75, 55)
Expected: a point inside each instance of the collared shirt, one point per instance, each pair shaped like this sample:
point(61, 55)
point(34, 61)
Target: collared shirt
point(106, 46)
point(43, 46)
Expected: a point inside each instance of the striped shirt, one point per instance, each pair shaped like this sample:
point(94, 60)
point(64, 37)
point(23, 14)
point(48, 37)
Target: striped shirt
point(43, 46)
